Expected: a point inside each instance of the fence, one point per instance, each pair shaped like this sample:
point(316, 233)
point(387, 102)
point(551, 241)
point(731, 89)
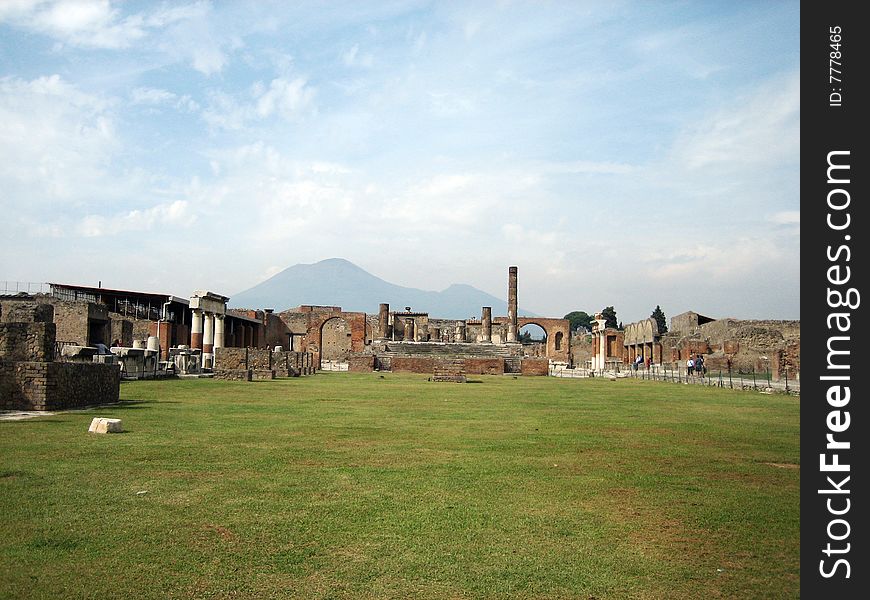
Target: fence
point(27, 287)
point(674, 373)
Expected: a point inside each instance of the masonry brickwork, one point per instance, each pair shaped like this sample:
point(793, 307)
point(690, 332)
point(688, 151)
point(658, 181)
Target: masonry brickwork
point(535, 367)
point(29, 377)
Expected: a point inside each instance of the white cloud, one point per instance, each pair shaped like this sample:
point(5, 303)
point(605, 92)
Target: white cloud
point(173, 213)
point(154, 96)
point(88, 23)
point(56, 141)
point(760, 129)
point(287, 99)
point(353, 58)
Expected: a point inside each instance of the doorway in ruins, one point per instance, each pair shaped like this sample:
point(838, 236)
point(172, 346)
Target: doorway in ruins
point(335, 340)
point(534, 339)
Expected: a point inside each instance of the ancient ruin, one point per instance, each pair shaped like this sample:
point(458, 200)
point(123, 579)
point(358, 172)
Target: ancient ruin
point(31, 377)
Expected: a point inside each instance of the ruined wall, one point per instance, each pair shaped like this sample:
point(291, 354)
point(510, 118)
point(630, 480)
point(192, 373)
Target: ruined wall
point(27, 341)
point(335, 340)
point(361, 363)
point(310, 321)
point(743, 346)
point(285, 363)
point(56, 386)
point(484, 366)
point(582, 348)
point(29, 380)
point(535, 366)
point(405, 364)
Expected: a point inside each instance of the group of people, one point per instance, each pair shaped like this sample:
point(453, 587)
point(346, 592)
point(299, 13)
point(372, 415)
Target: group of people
point(639, 362)
point(695, 365)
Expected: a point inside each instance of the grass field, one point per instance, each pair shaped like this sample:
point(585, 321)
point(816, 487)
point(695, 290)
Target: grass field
point(356, 486)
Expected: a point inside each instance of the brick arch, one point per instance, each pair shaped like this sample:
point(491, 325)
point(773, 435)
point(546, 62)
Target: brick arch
point(552, 327)
point(313, 342)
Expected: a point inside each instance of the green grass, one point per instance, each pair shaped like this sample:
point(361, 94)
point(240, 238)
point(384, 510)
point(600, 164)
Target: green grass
point(356, 486)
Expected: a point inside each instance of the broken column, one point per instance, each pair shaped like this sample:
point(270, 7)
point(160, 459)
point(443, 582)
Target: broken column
point(460, 333)
point(486, 324)
point(512, 305)
point(383, 321)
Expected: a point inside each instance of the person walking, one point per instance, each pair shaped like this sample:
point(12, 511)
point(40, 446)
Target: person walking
point(690, 366)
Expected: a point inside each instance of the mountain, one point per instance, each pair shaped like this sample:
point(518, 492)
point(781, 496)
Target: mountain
point(338, 282)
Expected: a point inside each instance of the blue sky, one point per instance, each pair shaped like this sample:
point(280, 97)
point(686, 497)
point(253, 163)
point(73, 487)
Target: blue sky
point(626, 153)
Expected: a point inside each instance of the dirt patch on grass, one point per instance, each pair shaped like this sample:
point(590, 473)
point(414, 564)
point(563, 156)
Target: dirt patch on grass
point(783, 465)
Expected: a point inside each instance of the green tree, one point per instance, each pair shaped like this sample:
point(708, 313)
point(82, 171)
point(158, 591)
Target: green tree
point(578, 319)
point(609, 314)
point(659, 315)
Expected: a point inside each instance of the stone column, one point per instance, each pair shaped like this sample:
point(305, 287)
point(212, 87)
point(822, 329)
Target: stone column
point(383, 321)
point(410, 330)
point(512, 305)
point(249, 336)
point(196, 329)
point(208, 333)
point(486, 324)
point(460, 333)
point(219, 331)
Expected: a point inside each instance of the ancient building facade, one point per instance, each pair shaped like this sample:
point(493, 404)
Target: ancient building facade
point(327, 332)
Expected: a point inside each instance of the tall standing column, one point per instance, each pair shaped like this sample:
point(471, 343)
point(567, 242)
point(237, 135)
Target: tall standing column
point(196, 329)
point(383, 321)
point(208, 333)
point(486, 324)
point(512, 305)
point(219, 331)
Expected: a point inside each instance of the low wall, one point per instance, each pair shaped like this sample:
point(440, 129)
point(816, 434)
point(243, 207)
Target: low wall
point(55, 385)
point(361, 364)
point(405, 364)
point(234, 374)
point(286, 363)
point(535, 366)
point(484, 366)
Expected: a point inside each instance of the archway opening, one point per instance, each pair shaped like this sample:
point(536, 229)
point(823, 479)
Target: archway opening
point(532, 334)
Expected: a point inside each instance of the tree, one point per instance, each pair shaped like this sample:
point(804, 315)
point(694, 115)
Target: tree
point(578, 319)
point(659, 315)
point(609, 315)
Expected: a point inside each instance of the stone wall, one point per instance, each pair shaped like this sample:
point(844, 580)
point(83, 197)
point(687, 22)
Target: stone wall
point(234, 374)
point(284, 363)
point(27, 341)
point(55, 386)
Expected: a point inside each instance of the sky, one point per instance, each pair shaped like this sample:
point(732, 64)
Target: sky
point(630, 154)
